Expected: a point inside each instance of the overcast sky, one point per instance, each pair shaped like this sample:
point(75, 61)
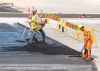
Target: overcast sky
point(63, 6)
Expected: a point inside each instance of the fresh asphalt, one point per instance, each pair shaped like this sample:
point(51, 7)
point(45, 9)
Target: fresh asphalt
point(41, 57)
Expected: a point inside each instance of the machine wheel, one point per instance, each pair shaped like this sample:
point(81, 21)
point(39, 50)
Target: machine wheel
point(39, 36)
point(38, 40)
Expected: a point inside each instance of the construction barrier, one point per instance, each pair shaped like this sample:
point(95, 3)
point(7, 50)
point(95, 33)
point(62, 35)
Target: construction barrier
point(71, 29)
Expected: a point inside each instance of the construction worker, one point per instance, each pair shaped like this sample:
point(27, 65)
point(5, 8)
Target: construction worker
point(60, 25)
point(37, 23)
point(88, 43)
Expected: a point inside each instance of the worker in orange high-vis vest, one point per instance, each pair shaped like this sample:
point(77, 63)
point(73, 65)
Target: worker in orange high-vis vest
point(88, 42)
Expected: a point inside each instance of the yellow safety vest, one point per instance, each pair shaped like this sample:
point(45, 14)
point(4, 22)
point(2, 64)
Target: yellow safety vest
point(61, 23)
point(35, 26)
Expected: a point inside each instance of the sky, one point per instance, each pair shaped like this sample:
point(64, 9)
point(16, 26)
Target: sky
point(61, 6)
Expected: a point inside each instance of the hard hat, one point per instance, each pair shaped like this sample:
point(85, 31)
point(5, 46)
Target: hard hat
point(34, 9)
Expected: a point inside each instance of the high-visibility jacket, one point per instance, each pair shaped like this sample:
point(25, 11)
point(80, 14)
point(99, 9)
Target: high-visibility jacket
point(61, 22)
point(35, 26)
point(88, 39)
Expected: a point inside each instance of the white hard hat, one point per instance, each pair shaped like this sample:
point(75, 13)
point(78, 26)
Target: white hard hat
point(34, 9)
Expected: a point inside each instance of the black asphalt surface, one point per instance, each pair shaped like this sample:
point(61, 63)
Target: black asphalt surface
point(7, 7)
point(63, 15)
point(42, 57)
point(51, 56)
point(51, 53)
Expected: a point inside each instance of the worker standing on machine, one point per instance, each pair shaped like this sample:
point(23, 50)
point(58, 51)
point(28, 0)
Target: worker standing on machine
point(36, 24)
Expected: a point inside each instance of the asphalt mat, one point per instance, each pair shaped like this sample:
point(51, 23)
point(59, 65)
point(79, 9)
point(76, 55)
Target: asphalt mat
point(52, 52)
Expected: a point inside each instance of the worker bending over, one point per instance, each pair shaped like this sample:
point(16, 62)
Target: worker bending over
point(88, 43)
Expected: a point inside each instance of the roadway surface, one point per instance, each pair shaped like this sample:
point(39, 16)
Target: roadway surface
point(4, 7)
point(54, 57)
